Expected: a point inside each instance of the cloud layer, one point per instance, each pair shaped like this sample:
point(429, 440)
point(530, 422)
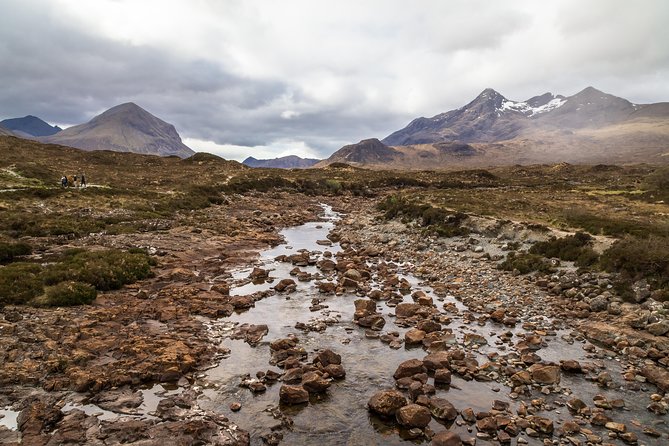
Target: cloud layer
point(264, 79)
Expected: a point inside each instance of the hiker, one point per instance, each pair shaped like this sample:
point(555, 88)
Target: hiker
point(63, 181)
point(83, 180)
point(74, 181)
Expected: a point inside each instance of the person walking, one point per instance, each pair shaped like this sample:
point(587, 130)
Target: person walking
point(83, 180)
point(63, 181)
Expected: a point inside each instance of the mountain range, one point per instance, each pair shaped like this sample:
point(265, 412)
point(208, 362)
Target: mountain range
point(284, 162)
point(124, 128)
point(588, 127)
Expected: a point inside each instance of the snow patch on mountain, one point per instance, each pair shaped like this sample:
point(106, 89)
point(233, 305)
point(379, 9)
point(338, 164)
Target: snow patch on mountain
point(528, 110)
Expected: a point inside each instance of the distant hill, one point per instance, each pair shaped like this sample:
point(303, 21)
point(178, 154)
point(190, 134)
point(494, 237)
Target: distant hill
point(124, 128)
point(367, 151)
point(5, 132)
point(284, 162)
point(30, 126)
point(588, 127)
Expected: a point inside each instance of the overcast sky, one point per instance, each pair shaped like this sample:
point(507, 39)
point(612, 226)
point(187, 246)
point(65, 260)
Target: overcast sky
point(270, 78)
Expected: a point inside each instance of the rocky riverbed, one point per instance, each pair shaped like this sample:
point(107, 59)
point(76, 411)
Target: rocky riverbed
point(354, 331)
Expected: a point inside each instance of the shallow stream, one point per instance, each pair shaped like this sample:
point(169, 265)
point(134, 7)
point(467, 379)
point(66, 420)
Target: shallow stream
point(340, 417)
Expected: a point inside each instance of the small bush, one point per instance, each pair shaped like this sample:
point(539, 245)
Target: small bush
point(67, 294)
point(436, 220)
point(637, 258)
point(19, 283)
point(566, 248)
point(526, 263)
point(105, 270)
point(9, 251)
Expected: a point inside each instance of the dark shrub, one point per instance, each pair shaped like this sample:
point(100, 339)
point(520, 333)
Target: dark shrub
point(526, 263)
point(9, 251)
point(67, 294)
point(566, 248)
point(636, 258)
point(19, 283)
point(105, 270)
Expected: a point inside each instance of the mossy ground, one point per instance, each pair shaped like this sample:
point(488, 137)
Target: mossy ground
point(131, 193)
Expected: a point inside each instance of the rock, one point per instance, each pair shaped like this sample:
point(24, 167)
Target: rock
point(599, 303)
point(446, 438)
point(409, 368)
point(363, 307)
point(327, 357)
point(442, 409)
point(414, 336)
point(656, 375)
point(293, 394)
point(373, 321)
point(521, 378)
point(327, 287)
point(336, 371)
point(545, 374)
point(259, 274)
point(405, 310)
point(413, 415)
point(251, 334)
point(468, 415)
point(658, 328)
point(498, 315)
point(616, 427)
point(437, 360)
point(571, 366)
point(541, 424)
point(487, 425)
point(313, 382)
point(242, 302)
point(285, 285)
point(442, 376)
point(387, 402)
point(428, 326)
point(236, 406)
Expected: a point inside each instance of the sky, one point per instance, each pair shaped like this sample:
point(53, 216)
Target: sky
point(269, 78)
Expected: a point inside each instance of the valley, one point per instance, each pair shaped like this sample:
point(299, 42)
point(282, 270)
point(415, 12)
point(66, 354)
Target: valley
point(336, 305)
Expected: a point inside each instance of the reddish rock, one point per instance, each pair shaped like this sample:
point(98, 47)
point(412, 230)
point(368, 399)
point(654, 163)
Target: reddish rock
point(545, 374)
point(446, 438)
point(413, 415)
point(293, 394)
point(442, 409)
point(409, 368)
point(387, 402)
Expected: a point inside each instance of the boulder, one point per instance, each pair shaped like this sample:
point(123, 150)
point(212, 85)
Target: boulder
point(446, 438)
point(442, 376)
point(285, 285)
point(405, 310)
point(313, 382)
point(413, 415)
point(293, 394)
point(545, 374)
point(437, 360)
point(414, 336)
point(387, 402)
point(327, 357)
point(442, 409)
point(409, 368)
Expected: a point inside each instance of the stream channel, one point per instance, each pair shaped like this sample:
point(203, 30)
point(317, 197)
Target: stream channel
point(340, 416)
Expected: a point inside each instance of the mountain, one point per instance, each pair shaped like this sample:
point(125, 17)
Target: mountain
point(367, 151)
point(124, 128)
point(5, 132)
point(284, 162)
point(588, 127)
point(30, 126)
